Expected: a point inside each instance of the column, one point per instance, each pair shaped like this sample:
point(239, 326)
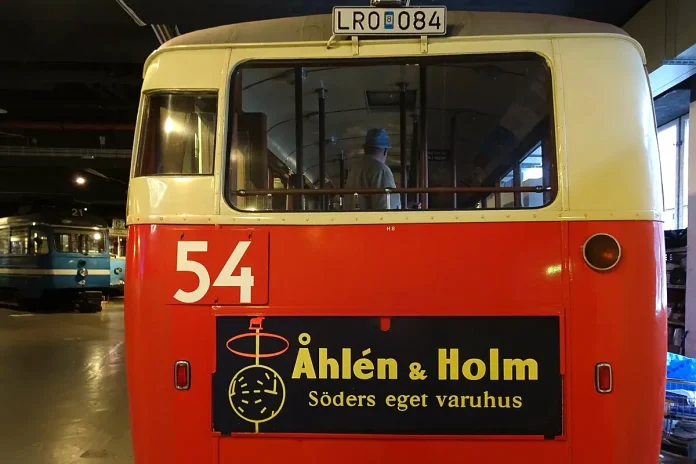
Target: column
point(691, 235)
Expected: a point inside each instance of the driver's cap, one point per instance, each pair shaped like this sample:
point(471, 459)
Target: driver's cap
point(377, 138)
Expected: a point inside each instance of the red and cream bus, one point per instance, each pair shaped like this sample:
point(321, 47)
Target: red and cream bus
point(508, 304)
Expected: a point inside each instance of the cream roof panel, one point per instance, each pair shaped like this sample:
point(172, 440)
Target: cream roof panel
point(611, 145)
point(462, 23)
point(201, 69)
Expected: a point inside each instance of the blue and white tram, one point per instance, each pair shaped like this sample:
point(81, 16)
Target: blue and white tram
point(49, 258)
point(118, 238)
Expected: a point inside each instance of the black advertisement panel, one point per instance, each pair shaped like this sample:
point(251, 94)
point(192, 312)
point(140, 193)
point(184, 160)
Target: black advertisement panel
point(469, 375)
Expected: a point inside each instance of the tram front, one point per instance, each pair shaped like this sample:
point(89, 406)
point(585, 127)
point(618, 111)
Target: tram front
point(350, 248)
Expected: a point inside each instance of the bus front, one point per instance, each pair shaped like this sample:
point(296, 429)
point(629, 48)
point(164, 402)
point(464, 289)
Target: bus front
point(395, 250)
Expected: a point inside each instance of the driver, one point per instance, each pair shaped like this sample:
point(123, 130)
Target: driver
point(371, 171)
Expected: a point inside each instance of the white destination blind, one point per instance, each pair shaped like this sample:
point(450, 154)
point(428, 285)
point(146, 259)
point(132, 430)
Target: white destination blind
point(390, 21)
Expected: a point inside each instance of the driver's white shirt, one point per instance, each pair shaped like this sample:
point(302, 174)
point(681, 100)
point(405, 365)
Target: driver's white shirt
point(368, 172)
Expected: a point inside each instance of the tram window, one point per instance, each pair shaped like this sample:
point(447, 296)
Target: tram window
point(178, 134)
point(488, 121)
point(71, 241)
point(19, 240)
point(117, 246)
point(4, 241)
point(39, 242)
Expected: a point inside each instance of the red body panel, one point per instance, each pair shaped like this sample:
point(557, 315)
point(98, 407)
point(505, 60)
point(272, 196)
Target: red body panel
point(438, 269)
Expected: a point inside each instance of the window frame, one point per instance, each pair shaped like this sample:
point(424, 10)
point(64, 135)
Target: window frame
point(58, 231)
point(23, 229)
point(117, 239)
point(145, 119)
point(46, 231)
point(681, 187)
point(6, 251)
point(228, 142)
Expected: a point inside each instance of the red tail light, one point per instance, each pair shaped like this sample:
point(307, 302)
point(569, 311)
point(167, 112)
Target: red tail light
point(604, 382)
point(182, 375)
point(602, 252)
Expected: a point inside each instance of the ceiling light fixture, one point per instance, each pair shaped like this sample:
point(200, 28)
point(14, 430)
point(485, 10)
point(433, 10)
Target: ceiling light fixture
point(168, 125)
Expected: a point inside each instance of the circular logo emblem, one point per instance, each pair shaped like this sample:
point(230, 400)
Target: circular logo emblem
point(257, 393)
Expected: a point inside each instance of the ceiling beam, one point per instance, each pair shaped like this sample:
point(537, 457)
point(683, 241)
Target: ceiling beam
point(49, 152)
point(119, 167)
point(25, 101)
point(163, 32)
point(90, 126)
point(130, 12)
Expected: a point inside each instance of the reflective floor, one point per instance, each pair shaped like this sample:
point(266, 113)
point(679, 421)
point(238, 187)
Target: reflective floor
point(63, 388)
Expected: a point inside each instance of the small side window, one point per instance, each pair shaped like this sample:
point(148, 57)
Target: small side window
point(79, 241)
point(178, 135)
point(39, 242)
point(4, 241)
point(19, 240)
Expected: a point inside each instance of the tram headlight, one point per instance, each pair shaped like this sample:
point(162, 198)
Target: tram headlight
point(82, 272)
point(601, 252)
point(118, 270)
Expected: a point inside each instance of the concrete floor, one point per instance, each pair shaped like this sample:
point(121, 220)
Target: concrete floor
point(63, 388)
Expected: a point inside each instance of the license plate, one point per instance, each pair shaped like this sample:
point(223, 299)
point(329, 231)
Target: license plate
point(415, 21)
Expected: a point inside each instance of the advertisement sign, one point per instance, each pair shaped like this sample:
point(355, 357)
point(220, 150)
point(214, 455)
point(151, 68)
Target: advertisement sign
point(473, 375)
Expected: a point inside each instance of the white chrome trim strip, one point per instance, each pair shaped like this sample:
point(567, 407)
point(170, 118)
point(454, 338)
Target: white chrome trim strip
point(479, 216)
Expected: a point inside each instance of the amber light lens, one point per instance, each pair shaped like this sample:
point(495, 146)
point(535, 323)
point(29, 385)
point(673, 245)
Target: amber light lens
point(602, 252)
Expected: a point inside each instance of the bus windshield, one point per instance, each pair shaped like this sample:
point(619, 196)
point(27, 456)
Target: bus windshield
point(458, 133)
point(79, 241)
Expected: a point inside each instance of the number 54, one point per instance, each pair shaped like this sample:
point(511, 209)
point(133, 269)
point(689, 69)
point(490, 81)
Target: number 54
point(245, 281)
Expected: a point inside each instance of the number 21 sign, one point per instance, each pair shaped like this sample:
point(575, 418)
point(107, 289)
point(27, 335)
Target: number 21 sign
point(221, 267)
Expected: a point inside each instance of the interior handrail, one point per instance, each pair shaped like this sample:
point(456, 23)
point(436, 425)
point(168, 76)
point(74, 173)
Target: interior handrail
point(377, 191)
